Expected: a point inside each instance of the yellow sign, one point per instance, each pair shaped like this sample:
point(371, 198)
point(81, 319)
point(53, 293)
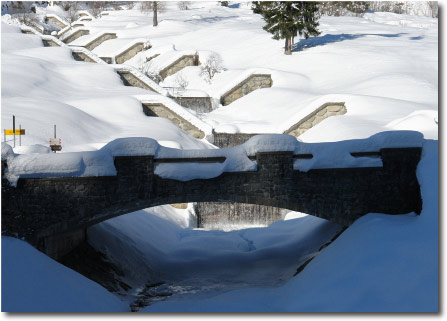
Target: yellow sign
point(11, 132)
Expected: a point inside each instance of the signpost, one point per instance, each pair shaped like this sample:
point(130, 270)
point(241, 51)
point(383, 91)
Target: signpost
point(55, 143)
point(19, 132)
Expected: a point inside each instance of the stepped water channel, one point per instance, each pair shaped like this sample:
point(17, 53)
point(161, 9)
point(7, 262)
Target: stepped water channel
point(213, 219)
point(256, 265)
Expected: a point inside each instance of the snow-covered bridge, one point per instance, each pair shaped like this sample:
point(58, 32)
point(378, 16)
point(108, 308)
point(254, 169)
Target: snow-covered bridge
point(52, 198)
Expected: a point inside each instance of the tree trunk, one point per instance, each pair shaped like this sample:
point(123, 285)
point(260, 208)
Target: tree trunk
point(288, 46)
point(155, 21)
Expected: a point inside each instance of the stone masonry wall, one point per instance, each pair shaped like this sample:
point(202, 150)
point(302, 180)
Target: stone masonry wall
point(224, 140)
point(49, 43)
point(42, 208)
point(212, 214)
point(96, 42)
point(179, 64)
point(160, 110)
point(198, 104)
point(80, 56)
point(129, 53)
point(311, 120)
point(250, 84)
point(75, 35)
point(129, 79)
point(55, 22)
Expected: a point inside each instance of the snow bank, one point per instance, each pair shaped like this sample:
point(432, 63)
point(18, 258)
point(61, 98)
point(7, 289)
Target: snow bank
point(402, 20)
point(100, 163)
point(7, 152)
point(32, 282)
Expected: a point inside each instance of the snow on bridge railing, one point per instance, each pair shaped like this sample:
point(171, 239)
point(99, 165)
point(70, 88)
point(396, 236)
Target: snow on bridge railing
point(236, 159)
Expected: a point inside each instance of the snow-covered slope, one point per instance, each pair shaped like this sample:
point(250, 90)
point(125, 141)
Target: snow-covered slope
point(32, 282)
point(45, 86)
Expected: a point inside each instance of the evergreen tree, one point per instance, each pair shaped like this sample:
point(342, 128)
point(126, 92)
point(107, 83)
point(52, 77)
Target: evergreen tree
point(285, 20)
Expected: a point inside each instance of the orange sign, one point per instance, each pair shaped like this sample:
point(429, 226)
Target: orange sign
point(11, 132)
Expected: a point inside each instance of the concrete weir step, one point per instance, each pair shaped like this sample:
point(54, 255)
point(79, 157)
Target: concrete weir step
point(77, 33)
point(251, 83)
point(130, 79)
point(160, 110)
point(224, 140)
point(179, 64)
point(92, 41)
point(124, 54)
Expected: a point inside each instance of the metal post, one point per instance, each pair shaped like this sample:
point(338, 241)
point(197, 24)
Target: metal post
point(54, 131)
point(14, 128)
point(20, 135)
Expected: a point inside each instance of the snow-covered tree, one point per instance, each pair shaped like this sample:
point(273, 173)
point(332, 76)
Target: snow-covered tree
point(286, 20)
point(212, 66)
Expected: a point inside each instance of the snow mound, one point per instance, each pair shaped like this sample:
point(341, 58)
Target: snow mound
point(32, 282)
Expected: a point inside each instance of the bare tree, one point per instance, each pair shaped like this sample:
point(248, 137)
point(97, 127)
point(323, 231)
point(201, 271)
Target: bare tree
point(433, 7)
point(116, 5)
point(181, 81)
point(149, 70)
point(130, 4)
point(211, 66)
point(154, 7)
point(96, 7)
point(183, 5)
point(72, 11)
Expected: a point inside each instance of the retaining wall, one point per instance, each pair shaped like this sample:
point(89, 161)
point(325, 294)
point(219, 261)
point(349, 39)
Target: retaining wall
point(75, 35)
point(179, 64)
point(99, 40)
point(129, 53)
point(55, 21)
point(160, 110)
point(80, 56)
point(224, 140)
point(256, 81)
point(129, 79)
point(198, 104)
point(314, 118)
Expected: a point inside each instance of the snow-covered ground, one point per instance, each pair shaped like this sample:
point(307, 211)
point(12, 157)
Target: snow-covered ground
point(384, 66)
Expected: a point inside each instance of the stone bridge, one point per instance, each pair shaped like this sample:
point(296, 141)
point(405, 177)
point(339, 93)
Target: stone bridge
point(53, 213)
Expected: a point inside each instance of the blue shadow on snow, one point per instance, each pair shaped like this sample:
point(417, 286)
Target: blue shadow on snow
point(323, 40)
